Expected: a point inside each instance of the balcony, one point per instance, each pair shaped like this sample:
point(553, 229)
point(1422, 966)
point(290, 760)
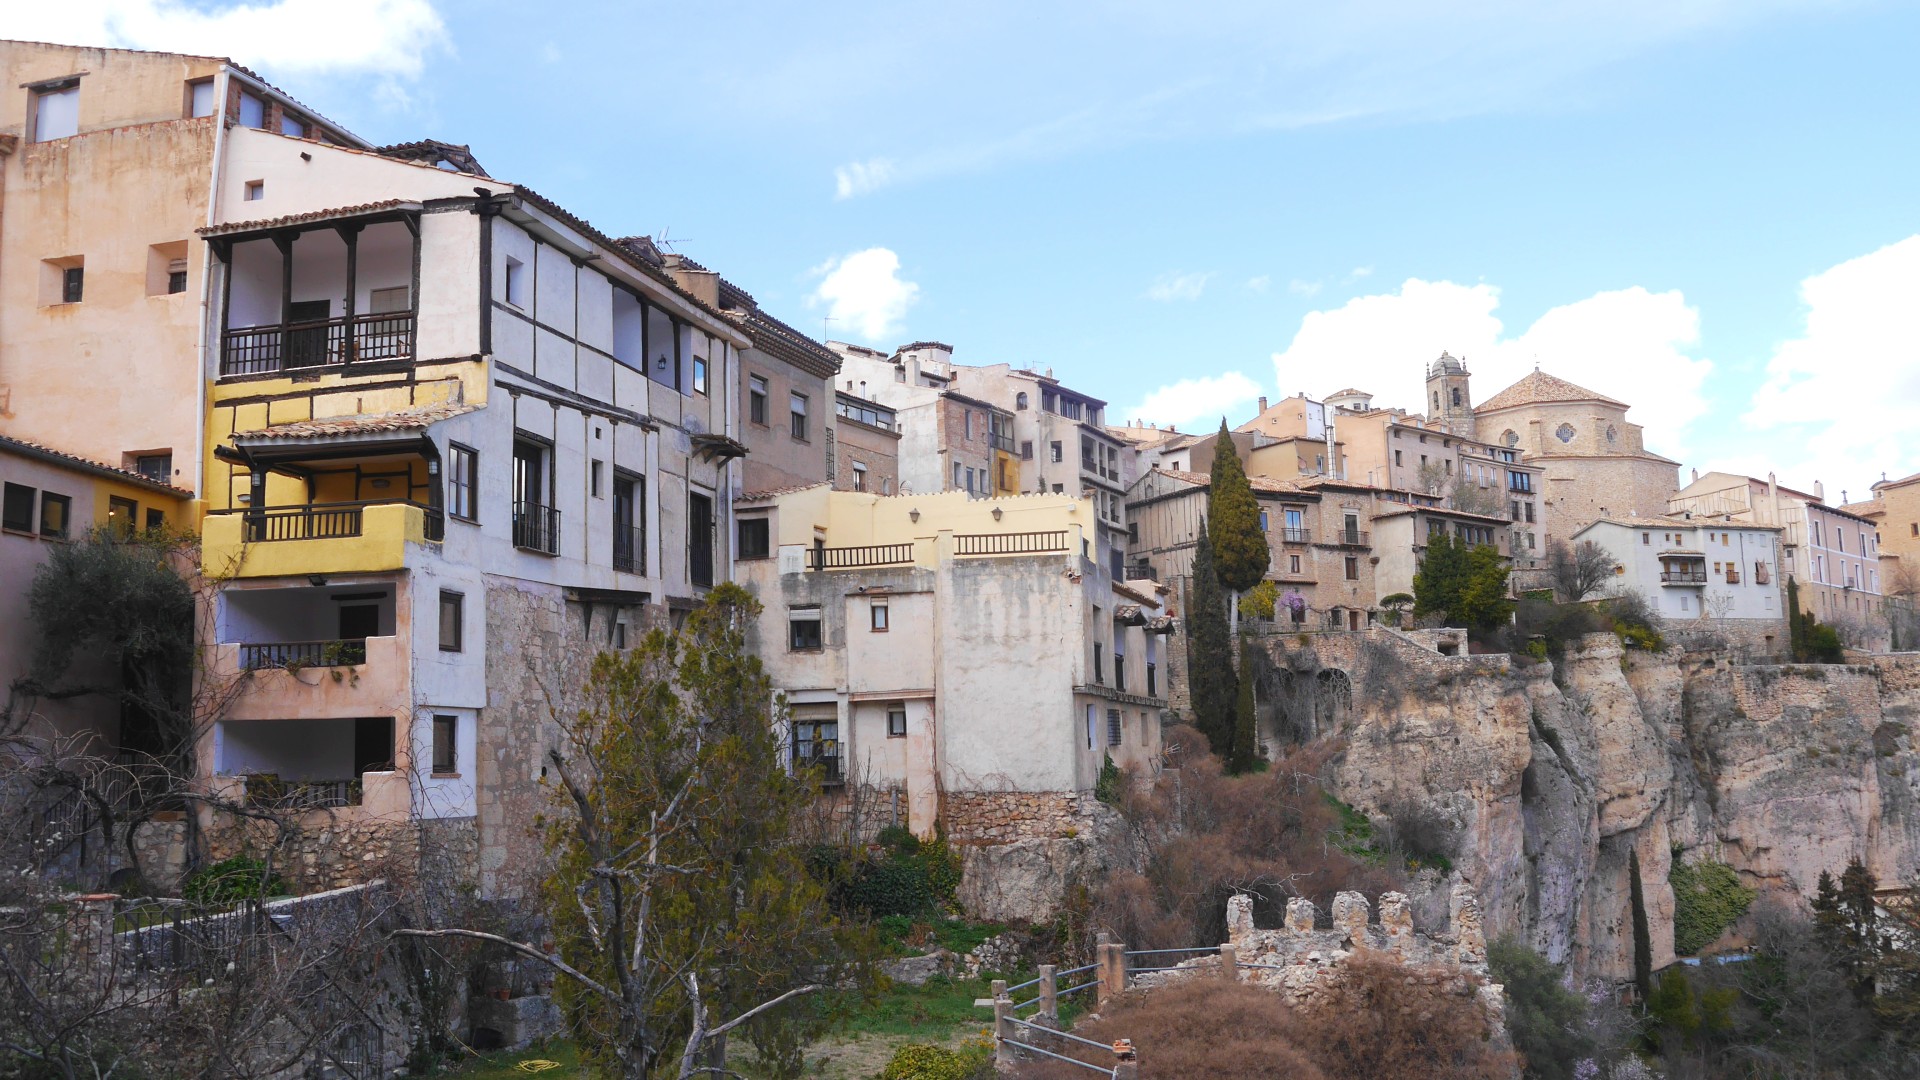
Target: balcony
point(1139, 572)
point(1001, 442)
point(1733, 577)
point(848, 558)
point(536, 528)
point(1022, 543)
point(323, 538)
point(1296, 536)
point(343, 763)
point(295, 655)
point(316, 345)
point(1683, 577)
point(630, 549)
point(1351, 538)
point(826, 762)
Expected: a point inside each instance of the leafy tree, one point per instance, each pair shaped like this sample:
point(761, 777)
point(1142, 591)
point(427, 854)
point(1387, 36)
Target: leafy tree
point(1240, 554)
point(1467, 583)
point(679, 892)
point(1258, 602)
point(1642, 935)
point(1809, 640)
point(1243, 751)
point(1707, 899)
point(1210, 678)
point(1547, 1020)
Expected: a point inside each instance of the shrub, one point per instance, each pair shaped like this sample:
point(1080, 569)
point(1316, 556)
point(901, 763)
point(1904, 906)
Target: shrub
point(1546, 1019)
point(1635, 621)
point(1106, 787)
point(232, 880)
point(922, 1061)
point(1707, 899)
point(906, 876)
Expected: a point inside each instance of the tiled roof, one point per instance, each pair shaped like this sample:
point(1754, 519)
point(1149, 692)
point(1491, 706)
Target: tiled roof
point(1347, 391)
point(1865, 509)
point(912, 345)
point(27, 448)
point(1538, 387)
point(771, 493)
point(1680, 523)
point(414, 419)
point(1258, 483)
point(428, 151)
point(259, 224)
point(1901, 482)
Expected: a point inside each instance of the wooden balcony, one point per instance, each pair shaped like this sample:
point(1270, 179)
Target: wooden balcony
point(315, 346)
point(293, 541)
point(1025, 543)
point(847, 558)
point(292, 655)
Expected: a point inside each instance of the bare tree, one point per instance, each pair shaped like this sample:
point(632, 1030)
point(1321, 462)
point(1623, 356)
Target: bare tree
point(1578, 571)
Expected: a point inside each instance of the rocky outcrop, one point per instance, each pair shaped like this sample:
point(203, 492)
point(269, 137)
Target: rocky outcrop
point(1553, 775)
point(1026, 880)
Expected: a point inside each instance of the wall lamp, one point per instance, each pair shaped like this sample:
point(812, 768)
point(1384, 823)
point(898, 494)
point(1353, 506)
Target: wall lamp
point(996, 513)
point(913, 515)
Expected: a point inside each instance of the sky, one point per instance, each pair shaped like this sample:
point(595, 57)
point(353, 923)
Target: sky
point(1709, 209)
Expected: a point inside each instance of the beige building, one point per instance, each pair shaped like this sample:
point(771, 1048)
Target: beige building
point(949, 441)
point(957, 661)
point(1894, 511)
point(866, 444)
point(1832, 555)
point(1595, 462)
point(109, 159)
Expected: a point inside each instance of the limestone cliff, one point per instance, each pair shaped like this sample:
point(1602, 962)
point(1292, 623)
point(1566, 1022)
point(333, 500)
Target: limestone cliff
point(1550, 774)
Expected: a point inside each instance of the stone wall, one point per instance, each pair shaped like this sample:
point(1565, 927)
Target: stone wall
point(320, 849)
point(1002, 817)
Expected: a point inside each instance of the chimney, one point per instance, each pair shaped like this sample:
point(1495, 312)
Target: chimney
point(1696, 475)
point(1819, 492)
point(1263, 403)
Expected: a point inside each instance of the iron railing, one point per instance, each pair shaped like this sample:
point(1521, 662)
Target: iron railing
point(1296, 536)
point(630, 549)
point(827, 764)
point(1351, 537)
point(843, 558)
point(1683, 577)
point(1023, 543)
point(536, 528)
point(263, 656)
point(262, 350)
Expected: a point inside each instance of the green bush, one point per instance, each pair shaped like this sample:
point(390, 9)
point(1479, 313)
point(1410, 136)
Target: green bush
point(232, 880)
point(920, 1061)
point(1707, 898)
point(1547, 1020)
point(1106, 787)
point(906, 877)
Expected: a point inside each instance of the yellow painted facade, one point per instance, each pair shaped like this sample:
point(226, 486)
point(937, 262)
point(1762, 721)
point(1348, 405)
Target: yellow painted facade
point(1006, 474)
point(863, 519)
point(385, 531)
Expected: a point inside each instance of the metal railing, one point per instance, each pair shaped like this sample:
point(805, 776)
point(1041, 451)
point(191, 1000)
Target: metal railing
point(1351, 537)
point(630, 549)
point(1296, 536)
point(340, 652)
point(1023, 543)
point(536, 527)
point(827, 764)
point(1683, 577)
point(262, 350)
point(843, 558)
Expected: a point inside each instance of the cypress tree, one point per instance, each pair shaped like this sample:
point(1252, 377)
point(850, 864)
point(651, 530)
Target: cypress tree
point(1243, 753)
point(1210, 678)
point(1796, 622)
point(1240, 554)
point(1642, 934)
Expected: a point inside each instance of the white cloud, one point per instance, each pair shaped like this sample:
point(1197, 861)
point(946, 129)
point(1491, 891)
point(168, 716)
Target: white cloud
point(1359, 272)
point(1839, 401)
point(860, 177)
point(1628, 344)
point(1303, 288)
point(1195, 403)
point(1178, 285)
point(1259, 284)
point(389, 38)
point(864, 292)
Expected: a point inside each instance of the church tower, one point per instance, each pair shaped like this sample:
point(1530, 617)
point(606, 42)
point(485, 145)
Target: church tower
point(1449, 400)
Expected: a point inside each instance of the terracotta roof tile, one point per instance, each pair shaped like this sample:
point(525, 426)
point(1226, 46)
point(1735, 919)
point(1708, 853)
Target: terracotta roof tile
point(770, 493)
point(414, 419)
point(1258, 483)
point(1540, 387)
point(259, 224)
point(29, 448)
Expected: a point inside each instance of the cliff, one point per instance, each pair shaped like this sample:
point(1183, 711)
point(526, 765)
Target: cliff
point(1546, 776)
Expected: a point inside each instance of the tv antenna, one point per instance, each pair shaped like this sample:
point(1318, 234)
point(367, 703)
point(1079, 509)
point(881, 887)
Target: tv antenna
point(665, 241)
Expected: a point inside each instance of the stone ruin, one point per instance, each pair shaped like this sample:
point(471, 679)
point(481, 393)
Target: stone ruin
point(1299, 958)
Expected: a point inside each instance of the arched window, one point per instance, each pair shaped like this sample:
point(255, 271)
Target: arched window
point(1436, 401)
point(1020, 400)
point(1456, 397)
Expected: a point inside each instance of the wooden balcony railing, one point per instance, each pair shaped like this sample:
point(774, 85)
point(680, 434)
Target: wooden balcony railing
point(846, 558)
point(536, 527)
point(1024, 543)
point(1683, 577)
point(1142, 572)
point(265, 656)
point(263, 350)
point(322, 521)
point(267, 790)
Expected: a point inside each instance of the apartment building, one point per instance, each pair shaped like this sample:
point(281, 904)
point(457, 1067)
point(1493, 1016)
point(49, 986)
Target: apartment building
point(49, 499)
point(1062, 443)
point(109, 160)
point(953, 660)
point(949, 441)
point(1894, 512)
point(1832, 555)
point(1694, 569)
point(866, 445)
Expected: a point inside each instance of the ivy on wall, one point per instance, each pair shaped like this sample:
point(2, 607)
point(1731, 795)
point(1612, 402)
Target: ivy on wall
point(1707, 899)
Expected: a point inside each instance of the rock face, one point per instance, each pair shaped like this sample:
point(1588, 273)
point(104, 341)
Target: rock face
point(1550, 776)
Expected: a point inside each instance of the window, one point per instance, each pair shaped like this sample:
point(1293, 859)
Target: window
point(1057, 454)
point(254, 191)
point(446, 757)
point(816, 745)
point(73, 283)
point(123, 516)
point(859, 477)
point(1456, 397)
point(200, 97)
point(1090, 722)
point(755, 538)
point(463, 477)
point(1113, 727)
point(593, 477)
point(1020, 401)
point(1396, 456)
point(176, 276)
point(757, 399)
point(803, 630)
point(699, 374)
point(16, 508)
point(1026, 450)
point(629, 523)
point(516, 282)
point(56, 111)
point(452, 606)
point(956, 476)
point(896, 721)
point(1293, 564)
point(1263, 521)
point(1645, 539)
point(55, 513)
point(253, 111)
point(1353, 568)
point(292, 125)
point(967, 420)
point(797, 407)
point(155, 467)
point(877, 618)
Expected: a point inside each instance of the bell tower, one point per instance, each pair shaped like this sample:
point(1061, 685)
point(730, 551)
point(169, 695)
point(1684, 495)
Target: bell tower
point(1449, 398)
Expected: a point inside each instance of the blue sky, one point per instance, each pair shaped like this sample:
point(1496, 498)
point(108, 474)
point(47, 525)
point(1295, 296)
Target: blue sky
point(1707, 209)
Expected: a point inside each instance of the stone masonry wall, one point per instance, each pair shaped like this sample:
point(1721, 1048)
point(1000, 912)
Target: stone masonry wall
point(1001, 817)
